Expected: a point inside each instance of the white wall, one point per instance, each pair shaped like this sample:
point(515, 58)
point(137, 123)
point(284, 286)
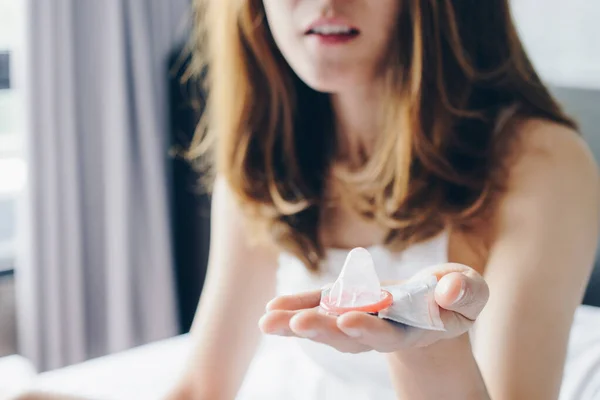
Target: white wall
point(563, 39)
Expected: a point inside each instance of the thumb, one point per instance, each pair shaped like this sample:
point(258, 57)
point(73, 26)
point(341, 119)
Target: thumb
point(463, 292)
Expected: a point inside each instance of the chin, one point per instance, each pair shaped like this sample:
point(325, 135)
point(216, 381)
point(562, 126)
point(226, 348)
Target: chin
point(333, 85)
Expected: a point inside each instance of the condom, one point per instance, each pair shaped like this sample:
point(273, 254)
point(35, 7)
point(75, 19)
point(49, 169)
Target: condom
point(357, 288)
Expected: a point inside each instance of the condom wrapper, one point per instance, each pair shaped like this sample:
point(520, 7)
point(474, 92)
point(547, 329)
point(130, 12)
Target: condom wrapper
point(414, 304)
point(358, 288)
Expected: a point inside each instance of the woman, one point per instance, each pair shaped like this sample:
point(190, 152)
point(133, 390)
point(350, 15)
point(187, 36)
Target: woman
point(417, 129)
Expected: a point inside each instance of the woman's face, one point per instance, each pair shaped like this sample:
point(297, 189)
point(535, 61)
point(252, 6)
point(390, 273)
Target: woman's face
point(334, 45)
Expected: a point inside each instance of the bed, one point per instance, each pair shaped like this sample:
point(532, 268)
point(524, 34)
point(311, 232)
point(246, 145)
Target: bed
point(148, 372)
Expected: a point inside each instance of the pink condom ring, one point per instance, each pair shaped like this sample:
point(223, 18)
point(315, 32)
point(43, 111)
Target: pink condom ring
point(386, 300)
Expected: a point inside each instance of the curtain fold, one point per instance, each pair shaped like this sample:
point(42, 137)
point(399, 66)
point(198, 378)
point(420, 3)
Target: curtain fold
point(96, 275)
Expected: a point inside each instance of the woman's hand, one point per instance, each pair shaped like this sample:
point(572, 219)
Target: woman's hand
point(461, 294)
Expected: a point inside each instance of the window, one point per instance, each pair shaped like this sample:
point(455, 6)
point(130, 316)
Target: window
point(12, 164)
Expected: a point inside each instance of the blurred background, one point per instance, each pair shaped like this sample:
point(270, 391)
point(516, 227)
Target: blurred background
point(103, 232)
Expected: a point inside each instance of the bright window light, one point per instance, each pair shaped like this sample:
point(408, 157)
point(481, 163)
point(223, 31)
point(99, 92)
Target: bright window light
point(13, 175)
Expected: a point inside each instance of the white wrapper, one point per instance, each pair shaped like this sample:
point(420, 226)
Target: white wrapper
point(414, 304)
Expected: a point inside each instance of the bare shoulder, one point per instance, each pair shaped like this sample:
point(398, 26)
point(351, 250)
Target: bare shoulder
point(227, 212)
point(553, 193)
point(550, 170)
point(547, 152)
point(552, 175)
point(232, 232)
point(539, 259)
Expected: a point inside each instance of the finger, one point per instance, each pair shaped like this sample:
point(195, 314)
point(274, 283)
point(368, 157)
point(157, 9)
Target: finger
point(313, 323)
point(373, 331)
point(463, 292)
point(277, 323)
point(319, 327)
point(455, 324)
point(309, 325)
point(298, 301)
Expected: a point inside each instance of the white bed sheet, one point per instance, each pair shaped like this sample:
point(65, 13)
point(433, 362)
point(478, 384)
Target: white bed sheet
point(144, 373)
point(581, 379)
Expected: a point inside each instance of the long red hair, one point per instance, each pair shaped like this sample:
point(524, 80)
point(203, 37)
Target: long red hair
point(458, 83)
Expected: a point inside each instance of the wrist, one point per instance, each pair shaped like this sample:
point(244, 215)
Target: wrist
point(193, 389)
point(446, 350)
point(185, 390)
point(449, 363)
point(180, 392)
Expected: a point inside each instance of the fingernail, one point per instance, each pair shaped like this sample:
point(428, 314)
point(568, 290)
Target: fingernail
point(444, 286)
point(355, 333)
point(268, 307)
point(308, 334)
point(461, 294)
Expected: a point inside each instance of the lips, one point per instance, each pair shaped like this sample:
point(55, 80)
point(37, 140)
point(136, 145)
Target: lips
point(332, 28)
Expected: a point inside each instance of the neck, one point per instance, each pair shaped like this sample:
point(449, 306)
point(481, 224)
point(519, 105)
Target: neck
point(356, 114)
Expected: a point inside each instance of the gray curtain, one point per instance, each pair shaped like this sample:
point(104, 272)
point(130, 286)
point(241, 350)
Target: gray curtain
point(96, 275)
